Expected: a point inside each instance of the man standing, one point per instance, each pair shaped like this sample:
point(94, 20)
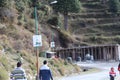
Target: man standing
point(45, 73)
point(18, 73)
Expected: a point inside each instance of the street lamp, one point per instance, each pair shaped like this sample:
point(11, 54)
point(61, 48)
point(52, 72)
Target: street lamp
point(53, 2)
point(52, 43)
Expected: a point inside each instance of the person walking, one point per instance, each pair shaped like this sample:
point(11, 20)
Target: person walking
point(18, 73)
point(112, 73)
point(45, 72)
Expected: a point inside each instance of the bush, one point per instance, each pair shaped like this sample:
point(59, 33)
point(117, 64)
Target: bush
point(20, 5)
point(54, 21)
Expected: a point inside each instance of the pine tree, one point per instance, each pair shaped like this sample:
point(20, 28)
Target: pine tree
point(4, 3)
point(114, 6)
point(66, 6)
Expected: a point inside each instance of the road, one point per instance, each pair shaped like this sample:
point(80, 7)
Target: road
point(102, 75)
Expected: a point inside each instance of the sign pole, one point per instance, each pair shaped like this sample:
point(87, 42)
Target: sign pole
point(36, 47)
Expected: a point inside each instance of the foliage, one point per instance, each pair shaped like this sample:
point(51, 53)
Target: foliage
point(20, 5)
point(42, 54)
point(5, 3)
point(65, 6)
point(114, 6)
point(54, 21)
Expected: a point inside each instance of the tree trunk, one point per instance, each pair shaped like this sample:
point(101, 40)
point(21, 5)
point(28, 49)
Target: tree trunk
point(66, 21)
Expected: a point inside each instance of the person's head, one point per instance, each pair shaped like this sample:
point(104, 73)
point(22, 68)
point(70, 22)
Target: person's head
point(44, 62)
point(112, 69)
point(19, 64)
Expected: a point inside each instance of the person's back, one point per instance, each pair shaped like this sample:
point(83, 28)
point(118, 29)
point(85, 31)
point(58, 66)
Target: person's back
point(45, 73)
point(18, 73)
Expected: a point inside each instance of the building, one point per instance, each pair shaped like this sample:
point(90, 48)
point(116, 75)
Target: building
point(98, 52)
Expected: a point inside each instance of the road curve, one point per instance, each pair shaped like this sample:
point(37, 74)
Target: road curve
point(102, 75)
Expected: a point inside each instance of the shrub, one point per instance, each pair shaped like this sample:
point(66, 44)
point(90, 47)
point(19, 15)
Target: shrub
point(51, 62)
point(42, 54)
point(20, 5)
point(53, 21)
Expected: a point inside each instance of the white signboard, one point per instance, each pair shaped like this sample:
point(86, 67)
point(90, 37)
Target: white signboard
point(37, 40)
point(52, 44)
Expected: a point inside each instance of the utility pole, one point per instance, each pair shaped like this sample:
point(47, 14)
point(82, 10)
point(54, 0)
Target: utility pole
point(36, 38)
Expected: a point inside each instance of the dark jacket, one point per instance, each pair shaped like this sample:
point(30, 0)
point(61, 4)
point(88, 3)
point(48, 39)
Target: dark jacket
point(119, 67)
point(45, 73)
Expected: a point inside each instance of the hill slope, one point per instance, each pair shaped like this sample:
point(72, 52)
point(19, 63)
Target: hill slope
point(17, 26)
point(95, 25)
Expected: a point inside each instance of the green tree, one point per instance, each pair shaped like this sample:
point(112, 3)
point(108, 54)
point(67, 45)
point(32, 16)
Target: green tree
point(114, 6)
point(6, 3)
point(65, 7)
point(3, 3)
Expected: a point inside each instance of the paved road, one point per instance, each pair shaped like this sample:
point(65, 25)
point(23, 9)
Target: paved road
point(102, 75)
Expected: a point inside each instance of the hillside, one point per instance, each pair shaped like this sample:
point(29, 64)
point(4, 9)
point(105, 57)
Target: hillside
point(17, 27)
point(92, 26)
point(95, 24)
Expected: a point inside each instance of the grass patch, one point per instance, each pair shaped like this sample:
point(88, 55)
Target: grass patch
point(3, 74)
point(4, 62)
point(62, 67)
